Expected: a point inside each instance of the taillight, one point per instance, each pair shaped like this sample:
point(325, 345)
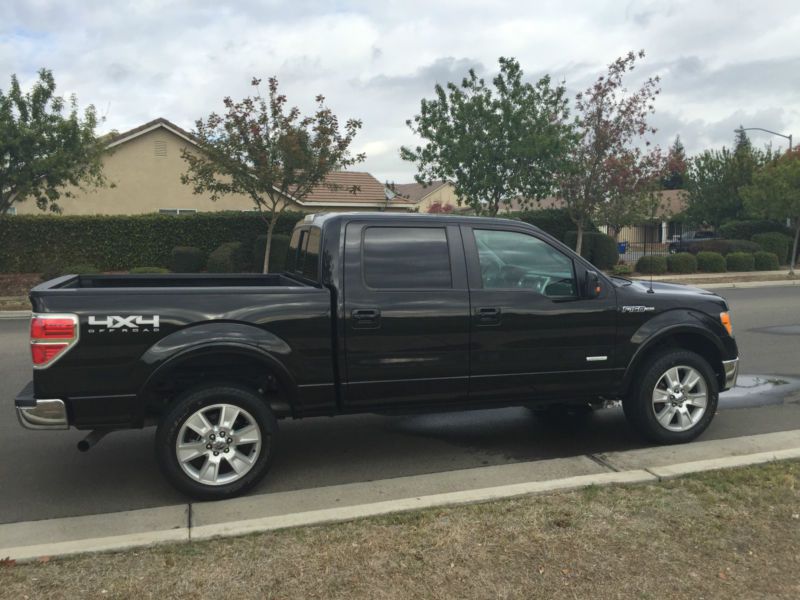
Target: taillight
point(51, 337)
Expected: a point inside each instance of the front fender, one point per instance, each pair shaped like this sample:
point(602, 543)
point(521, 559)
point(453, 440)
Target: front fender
point(654, 331)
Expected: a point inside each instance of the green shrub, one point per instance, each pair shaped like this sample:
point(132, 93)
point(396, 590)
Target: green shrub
point(598, 248)
point(187, 259)
point(53, 271)
point(723, 247)
point(740, 261)
point(228, 258)
point(766, 261)
point(117, 243)
point(555, 221)
point(622, 269)
point(142, 270)
point(683, 262)
point(745, 230)
point(777, 243)
point(652, 265)
point(277, 252)
point(710, 262)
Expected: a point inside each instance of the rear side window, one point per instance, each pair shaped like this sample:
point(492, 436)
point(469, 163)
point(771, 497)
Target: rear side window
point(406, 258)
point(303, 255)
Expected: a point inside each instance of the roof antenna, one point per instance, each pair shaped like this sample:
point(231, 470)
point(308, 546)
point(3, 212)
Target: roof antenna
point(649, 291)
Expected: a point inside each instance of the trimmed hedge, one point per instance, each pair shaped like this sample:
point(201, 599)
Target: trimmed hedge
point(115, 243)
point(711, 262)
point(229, 258)
point(141, 270)
point(53, 271)
point(723, 247)
point(745, 230)
point(187, 259)
point(622, 269)
point(777, 243)
point(277, 252)
point(598, 248)
point(683, 262)
point(740, 261)
point(652, 265)
point(766, 261)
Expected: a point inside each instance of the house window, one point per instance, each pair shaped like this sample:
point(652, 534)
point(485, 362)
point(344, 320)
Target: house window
point(12, 210)
point(160, 148)
point(176, 211)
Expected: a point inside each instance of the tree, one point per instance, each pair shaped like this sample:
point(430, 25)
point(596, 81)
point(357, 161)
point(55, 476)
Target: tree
point(268, 152)
point(494, 144)
point(775, 193)
point(633, 184)
point(46, 148)
point(676, 166)
point(611, 124)
point(715, 179)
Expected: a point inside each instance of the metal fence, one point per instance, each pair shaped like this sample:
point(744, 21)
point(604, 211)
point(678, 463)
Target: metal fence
point(651, 239)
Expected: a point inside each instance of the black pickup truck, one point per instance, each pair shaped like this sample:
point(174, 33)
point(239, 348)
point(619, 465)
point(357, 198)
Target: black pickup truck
point(374, 313)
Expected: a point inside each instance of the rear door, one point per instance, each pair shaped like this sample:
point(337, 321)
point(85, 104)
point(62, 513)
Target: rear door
point(534, 336)
point(406, 314)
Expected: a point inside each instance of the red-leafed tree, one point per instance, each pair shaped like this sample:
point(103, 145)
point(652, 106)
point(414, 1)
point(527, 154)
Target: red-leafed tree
point(264, 150)
point(612, 126)
point(439, 208)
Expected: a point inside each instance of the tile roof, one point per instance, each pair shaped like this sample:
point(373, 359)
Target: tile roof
point(115, 138)
point(369, 190)
point(416, 191)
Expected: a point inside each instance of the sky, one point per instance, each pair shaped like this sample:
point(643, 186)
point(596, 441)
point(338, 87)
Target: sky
point(722, 63)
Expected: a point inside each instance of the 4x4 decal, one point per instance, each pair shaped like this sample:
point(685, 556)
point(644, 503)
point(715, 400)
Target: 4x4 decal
point(128, 324)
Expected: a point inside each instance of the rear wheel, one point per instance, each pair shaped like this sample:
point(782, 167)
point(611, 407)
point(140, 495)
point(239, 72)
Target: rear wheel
point(216, 441)
point(675, 397)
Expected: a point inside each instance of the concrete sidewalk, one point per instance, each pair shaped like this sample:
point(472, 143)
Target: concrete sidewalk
point(729, 280)
point(187, 522)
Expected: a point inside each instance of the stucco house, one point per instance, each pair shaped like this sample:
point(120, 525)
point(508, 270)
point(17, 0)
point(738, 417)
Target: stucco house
point(424, 197)
point(144, 165)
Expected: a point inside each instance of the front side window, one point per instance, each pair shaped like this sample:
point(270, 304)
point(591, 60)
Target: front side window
point(513, 260)
point(406, 258)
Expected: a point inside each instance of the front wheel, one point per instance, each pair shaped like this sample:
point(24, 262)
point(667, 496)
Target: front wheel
point(675, 398)
point(216, 441)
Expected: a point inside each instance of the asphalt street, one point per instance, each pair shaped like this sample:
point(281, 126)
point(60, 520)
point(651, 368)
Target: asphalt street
point(44, 476)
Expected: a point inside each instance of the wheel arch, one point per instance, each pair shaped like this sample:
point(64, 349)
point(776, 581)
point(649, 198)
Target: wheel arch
point(694, 338)
point(216, 362)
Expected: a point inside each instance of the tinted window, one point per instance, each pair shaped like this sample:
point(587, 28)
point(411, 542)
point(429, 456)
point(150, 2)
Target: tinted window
point(303, 256)
point(310, 267)
point(515, 260)
point(295, 246)
point(406, 257)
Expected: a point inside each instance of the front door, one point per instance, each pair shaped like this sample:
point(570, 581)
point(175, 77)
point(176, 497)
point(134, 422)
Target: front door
point(534, 335)
point(406, 313)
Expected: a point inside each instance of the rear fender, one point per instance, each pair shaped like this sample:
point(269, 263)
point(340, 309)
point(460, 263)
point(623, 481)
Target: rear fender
point(216, 338)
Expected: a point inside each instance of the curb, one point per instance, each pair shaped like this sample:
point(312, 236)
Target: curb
point(188, 533)
point(15, 314)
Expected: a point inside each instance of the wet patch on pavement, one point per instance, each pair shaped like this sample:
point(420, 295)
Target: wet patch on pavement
point(760, 390)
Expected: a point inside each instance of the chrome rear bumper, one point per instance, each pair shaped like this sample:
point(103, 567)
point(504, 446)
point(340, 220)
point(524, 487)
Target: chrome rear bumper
point(34, 413)
point(731, 370)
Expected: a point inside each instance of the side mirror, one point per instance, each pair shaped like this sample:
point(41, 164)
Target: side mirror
point(591, 285)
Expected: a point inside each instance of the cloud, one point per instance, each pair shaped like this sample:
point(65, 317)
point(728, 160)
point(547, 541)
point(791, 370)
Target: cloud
point(721, 65)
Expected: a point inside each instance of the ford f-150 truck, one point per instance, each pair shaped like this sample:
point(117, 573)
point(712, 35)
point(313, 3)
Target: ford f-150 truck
point(374, 313)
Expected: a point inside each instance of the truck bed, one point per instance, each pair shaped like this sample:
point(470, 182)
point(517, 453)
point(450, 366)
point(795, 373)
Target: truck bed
point(171, 280)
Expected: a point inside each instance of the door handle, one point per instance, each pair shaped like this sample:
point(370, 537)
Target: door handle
point(488, 315)
point(365, 317)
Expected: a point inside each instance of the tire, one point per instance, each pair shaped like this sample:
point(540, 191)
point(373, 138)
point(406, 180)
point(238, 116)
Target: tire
point(213, 466)
point(663, 414)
